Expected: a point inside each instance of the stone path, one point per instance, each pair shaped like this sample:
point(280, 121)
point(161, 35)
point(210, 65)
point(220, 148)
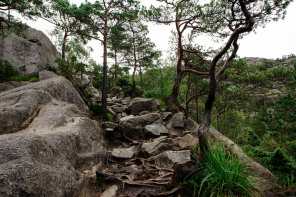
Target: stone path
point(145, 146)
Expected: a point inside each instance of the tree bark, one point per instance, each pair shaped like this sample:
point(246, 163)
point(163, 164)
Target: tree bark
point(204, 128)
point(135, 66)
point(64, 45)
point(196, 100)
point(105, 68)
point(115, 65)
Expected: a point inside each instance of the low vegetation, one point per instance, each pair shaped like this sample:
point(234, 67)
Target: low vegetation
point(221, 174)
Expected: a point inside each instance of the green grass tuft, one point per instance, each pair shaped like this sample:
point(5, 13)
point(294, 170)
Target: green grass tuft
point(221, 174)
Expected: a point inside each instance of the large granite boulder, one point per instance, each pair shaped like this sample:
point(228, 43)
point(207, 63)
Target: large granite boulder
point(19, 106)
point(34, 50)
point(138, 105)
point(47, 142)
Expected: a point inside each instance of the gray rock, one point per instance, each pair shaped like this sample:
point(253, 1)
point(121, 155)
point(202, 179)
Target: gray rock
point(110, 110)
point(11, 85)
point(34, 50)
point(177, 121)
point(110, 125)
point(165, 115)
point(23, 104)
point(176, 124)
point(110, 191)
point(156, 130)
point(45, 74)
point(123, 153)
point(126, 100)
point(115, 91)
point(169, 158)
point(144, 113)
point(97, 97)
point(118, 109)
point(157, 146)
point(123, 114)
point(138, 105)
point(49, 156)
point(133, 126)
point(187, 141)
point(191, 124)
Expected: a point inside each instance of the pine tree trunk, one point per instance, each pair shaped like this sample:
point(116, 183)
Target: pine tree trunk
point(64, 45)
point(104, 88)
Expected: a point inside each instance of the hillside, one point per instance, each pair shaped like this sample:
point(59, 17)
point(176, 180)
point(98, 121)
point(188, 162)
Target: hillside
point(53, 144)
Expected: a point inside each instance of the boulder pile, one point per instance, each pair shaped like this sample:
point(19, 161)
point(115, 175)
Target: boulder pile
point(149, 149)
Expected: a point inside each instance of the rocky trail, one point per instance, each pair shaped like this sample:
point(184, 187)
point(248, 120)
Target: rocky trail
point(149, 150)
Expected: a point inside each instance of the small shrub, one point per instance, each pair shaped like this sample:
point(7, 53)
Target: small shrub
point(221, 175)
point(95, 108)
point(110, 117)
point(7, 71)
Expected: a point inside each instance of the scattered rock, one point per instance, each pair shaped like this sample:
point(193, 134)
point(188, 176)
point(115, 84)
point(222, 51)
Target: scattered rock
point(156, 130)
point(138, 105)
point(165, 115)
point(115, 91)
point(118, 109)
point(126, 100)
point(123, 153)
point(176, 124)
point(155, 147)
point(144, 113)
point(169, 158)
point(133, 126)
point(188, 141)
point(110, 191)
point(110, 125)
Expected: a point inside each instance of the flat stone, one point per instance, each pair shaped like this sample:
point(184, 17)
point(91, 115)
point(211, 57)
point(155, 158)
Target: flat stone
point(123, 153)
point(110, 191)
point(109, 130)
point(165, 115)
point(118, 109)
point(111, 111)
point(187, 141)
point(144, 113)
point(156, 130)
point(157, 146)
point(110, 125)
point(169, 158)
point(123, 114)
point(126, 100)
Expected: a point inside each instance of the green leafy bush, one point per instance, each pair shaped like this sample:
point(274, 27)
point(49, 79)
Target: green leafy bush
point(221, 174)
point(7, 71)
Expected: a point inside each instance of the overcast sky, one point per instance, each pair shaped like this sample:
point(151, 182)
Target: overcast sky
point(273, 41)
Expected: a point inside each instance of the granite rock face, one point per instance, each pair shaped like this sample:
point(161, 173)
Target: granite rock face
point(19, 106)
point(47, 141)
point(34, 50)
